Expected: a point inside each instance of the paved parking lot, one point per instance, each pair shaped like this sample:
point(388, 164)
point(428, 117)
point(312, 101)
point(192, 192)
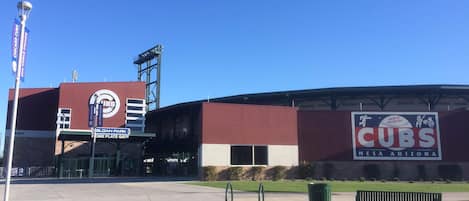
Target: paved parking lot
point(126, 189)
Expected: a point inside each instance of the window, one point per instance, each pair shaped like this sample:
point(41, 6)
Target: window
point(64, 117)
point(135, 114)
point(241, 155)
point(249, 155)
point(136, 101)
point(134, 108)
point(260, 155)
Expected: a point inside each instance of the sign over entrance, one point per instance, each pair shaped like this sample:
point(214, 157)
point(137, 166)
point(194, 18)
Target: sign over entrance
point(109, 99)
point(396, 136)
point(112, 133)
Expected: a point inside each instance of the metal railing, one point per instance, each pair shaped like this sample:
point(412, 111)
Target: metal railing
point(260, 192)
point(396, 196)
point(47, 171)
point(229, 192)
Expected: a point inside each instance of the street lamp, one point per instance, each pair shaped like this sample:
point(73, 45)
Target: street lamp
point(24, 8)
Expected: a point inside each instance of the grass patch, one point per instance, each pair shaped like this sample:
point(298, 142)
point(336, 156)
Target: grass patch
point(341, 186)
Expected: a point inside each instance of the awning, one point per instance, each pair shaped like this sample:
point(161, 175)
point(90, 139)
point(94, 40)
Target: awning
point(85, 135)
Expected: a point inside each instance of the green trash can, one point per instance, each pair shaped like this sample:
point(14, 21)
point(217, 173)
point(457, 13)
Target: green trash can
point(319, 192)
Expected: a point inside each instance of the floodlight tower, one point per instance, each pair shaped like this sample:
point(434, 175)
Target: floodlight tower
point(147, 62)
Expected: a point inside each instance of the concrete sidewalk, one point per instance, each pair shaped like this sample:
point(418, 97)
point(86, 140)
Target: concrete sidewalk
point(124, 189)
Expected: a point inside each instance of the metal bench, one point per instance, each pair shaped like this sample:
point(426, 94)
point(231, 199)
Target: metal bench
point(396, 196)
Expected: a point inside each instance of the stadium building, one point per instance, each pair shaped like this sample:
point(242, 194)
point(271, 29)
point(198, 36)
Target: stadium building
point(405, 132)
point(53, 134)
point(401, 132)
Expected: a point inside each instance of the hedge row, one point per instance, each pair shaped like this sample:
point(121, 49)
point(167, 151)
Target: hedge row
point(210, 173)
point(307, 171)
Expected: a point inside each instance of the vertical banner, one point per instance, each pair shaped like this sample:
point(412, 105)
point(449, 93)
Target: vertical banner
point(100, 115)
point(15, 44)
point(91, 115)
point(23, 53)
point(396, 136)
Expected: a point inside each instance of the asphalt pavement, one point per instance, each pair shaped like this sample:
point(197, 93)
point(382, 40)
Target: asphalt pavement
point(149, 189)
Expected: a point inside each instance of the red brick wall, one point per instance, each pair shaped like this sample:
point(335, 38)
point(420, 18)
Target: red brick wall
point(77, 97)
point(248, 124)
point(30, 151)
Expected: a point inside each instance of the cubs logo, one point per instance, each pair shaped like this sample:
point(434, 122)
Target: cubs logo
point(396, 136)
point(109, 99)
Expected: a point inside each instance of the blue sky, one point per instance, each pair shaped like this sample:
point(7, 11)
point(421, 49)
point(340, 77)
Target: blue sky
point(219, 48)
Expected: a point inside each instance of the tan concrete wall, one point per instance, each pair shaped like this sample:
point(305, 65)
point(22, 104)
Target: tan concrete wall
point(286, 155)
point(82, 148)
point(215, 155)
point(220, 155)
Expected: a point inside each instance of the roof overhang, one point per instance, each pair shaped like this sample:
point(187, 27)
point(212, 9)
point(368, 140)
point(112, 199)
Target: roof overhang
point(85, 135)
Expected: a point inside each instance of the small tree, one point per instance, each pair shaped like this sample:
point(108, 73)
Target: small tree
point(278, 172)
point(209, 173)
point(235, 173)
point(257, 172)
point(306, 170)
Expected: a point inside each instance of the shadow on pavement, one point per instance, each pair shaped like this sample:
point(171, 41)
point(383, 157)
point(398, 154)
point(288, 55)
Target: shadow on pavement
point(96, 180)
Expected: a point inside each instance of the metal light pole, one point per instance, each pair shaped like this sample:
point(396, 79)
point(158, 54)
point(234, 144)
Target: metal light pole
point(24, 8)
point(96, 122)
point(93, 147)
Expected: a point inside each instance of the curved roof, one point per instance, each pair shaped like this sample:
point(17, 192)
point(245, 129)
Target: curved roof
point(420, 91)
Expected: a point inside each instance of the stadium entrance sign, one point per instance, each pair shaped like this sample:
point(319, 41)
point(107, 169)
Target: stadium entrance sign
point(396, 136)
point(112, 133)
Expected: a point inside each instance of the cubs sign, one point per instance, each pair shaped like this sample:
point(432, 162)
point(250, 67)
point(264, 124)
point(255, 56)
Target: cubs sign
point(108, 99)
point(396, 136)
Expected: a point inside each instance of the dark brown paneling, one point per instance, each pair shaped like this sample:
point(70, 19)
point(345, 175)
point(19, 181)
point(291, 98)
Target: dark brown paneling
point(37, 108)
point(324, 135)
point(454, 130)
point(248, 124)
point(327, 135)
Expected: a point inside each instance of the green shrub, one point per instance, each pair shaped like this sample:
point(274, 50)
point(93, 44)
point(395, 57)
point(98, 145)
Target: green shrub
point(452, 172)
point(257, 172)
point(395, 171)
point(278, 172)
point(371, 171)
point(422, 172)
point(328, 170)
point(209, 173)
point(235, 173)
point(305, 170)
point(361, 179)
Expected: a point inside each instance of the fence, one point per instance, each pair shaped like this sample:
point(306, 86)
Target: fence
point(48, 171)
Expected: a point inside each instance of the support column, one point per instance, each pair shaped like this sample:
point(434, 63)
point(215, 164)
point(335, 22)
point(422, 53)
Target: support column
point(118, 158)
point(61, 160)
